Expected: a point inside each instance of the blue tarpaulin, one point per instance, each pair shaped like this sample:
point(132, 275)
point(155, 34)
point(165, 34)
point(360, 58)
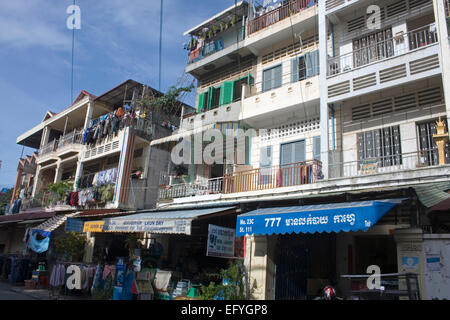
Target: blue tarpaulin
point(38, 246)
point(334, 217)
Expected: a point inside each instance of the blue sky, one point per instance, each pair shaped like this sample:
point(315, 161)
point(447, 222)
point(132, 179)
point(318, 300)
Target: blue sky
point(118, 40)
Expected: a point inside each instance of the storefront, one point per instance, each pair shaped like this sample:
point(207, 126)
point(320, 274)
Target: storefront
point(27, 246)
point(173, 245)
point(294, 252)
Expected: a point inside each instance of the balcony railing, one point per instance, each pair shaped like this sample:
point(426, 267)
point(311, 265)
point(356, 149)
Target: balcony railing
point(279, 14)
point(382, 50)
point(75, 137)
point(211, 186)
point(48, 148)
point(387, 164)
point(296, 174)
point(213, 46)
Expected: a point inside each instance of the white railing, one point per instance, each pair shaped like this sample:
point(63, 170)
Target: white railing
point(211, 186)
point(382, 50)
point(48, 148)
point(386, 164)
point(75, 137)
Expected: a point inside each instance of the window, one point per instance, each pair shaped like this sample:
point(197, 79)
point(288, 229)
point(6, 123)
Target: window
point(373, 47)
point(316, 148)
point(380, 148)
point(272, 78)
point(428, 149)
point(265, 165)
point(306, 66)
point(293, 152)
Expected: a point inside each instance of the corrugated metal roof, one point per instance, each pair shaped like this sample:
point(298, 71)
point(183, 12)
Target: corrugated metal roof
point(432, 194)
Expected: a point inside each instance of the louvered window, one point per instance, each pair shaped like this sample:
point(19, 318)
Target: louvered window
point(272, 78)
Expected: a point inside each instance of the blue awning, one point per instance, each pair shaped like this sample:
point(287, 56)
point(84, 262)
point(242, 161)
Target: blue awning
point(333, 217)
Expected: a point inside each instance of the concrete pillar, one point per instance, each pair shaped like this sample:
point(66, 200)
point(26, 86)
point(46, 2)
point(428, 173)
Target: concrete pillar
point(410, 257)
point(89, 112)
point(324, 112)
point(37, 176)
point(58, 172)
point(444, 52)
point(78, 174)
point(45, 136)
point(89, 248)
point(260, 268)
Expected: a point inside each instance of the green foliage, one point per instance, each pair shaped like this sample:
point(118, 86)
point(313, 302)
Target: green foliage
point(60, 189)
point(164, 104)
point(234, 290)
point(132, 242)
point(5, 198)
point(72, 245)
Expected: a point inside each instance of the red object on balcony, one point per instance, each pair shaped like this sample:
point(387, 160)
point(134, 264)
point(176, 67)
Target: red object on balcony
point(194, 55)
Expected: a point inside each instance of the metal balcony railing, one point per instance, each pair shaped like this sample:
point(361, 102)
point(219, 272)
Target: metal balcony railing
point(387, 164)
point(296, 174)
point(211, 186)
point(279, 14)
point(382, 50)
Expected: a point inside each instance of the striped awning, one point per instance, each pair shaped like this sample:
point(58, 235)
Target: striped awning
point(161, 222)
point(52, 224)
point(221, 126)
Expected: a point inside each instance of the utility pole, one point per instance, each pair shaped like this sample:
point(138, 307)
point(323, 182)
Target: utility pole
point(160, 44)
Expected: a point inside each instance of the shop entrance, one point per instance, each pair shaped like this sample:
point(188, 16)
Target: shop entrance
point(305, 264)
point(375, 250)
point(291, 270)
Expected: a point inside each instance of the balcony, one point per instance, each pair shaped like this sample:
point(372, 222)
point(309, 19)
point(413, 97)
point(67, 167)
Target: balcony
point(70, 142)
point(183, 190)
point(270, 18)
point(397, 60)
point(382, 50)
point(296, 174)
point(405, 162)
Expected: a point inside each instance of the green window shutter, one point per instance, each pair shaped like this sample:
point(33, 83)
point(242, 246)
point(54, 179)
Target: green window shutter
point(226, 93)
point(201, 102)
point(211, 92)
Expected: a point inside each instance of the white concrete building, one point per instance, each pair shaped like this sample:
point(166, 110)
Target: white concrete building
point(344, 103)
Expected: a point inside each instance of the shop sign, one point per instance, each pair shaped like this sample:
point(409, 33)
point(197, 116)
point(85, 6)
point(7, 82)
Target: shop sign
point(220, 242)
point(74, 225)
point(93, 226)
point(168, 226)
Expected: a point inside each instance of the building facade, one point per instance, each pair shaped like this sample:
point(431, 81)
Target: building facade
point(347, 103)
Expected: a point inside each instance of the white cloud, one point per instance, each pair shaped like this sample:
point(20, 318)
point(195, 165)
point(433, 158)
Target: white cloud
point(38, 23)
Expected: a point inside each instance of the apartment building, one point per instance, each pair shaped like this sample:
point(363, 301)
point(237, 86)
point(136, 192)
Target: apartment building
point(103, 156)
point(346, 118)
